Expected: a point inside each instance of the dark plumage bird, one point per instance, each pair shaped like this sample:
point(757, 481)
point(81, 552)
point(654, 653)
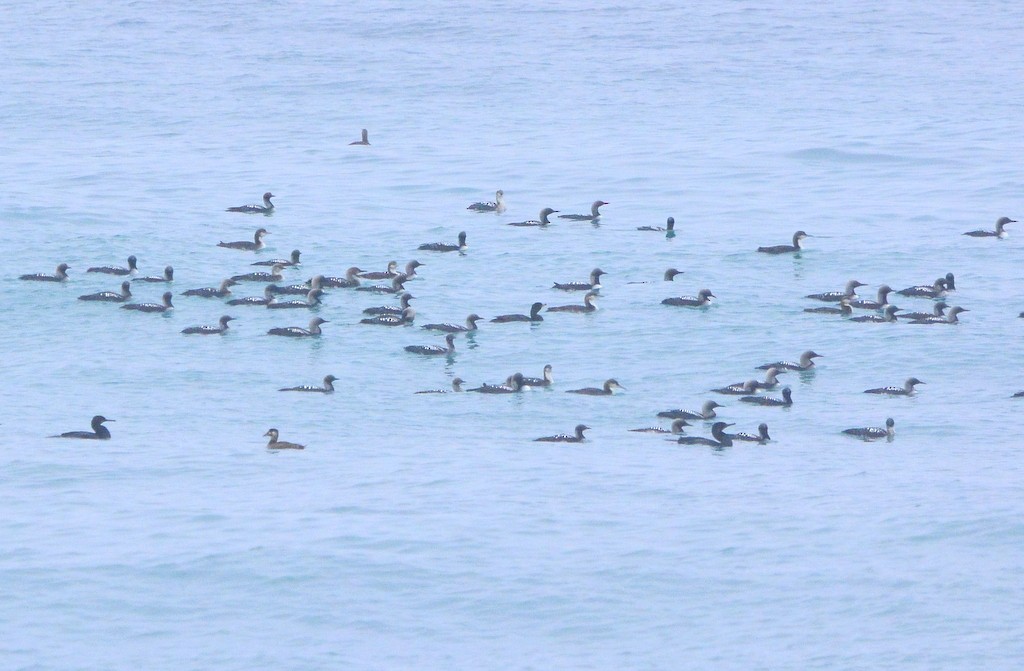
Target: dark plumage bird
point(950, 282)
point(266, 208)
point(364, 139)
point(544, 381)
point(748, 387)
point(843, 309)
point(301, 289)
point(60, 275)
point(350, 281)
point(702, 299)
point(268, 297)
point(296, 332)
point(874, 433)
point(434, 350)
point(806, 362)
point(677, 428)
point(497, 205)
point(595, 213)
point(397, 286)
point(445, 246)
point(291, 261)
point(952, 317)
point(99, 432)
point(151, 307)
point(719, 438)
point(605, 390)
point(456, 387)
point(785, 249)
point(588, 305)
point(391, 309)
point(111, 296)
point(707, 411)
point(515, 384)
point(275, 444)
point(168, 276)
point(937, 289)
point(213, 292)
point(761, 436)
point(210, 330)
point(407, 317)
point(256, 244)
point(392, 270)
point(592, 285)
point(771, 378)
point(888, 316)
point(784, 402)
point(669, 227)
point(938, 310)
point(534, 315)
point(849, 293)
point(577, 437)
point(998, 233)
point(447, 327)
point(261, 276)
point(542, 221)
point(906, 390)
point(312, 300)
point(881, 300)
point(327, 388)
point(117, 270)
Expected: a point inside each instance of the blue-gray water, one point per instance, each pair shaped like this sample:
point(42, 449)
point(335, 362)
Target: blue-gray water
point(430, 532)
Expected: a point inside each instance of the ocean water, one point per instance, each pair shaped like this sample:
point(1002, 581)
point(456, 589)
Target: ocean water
point(430, 531)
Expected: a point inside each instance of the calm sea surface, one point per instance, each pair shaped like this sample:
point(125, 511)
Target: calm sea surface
point(429, 531)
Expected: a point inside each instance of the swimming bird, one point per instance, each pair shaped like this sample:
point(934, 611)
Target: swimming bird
point(99, 432)
point(881, 300)
point(151, 307)
point(950, 318)
point(268, 297)
point(410, 269)
point(301, 289)
point(256, 245)
point(719, 438)
point(938, 310)
point(743, 388)
point(350, 280)
point(850, 292)
point(407, 317)
point(937, 289)
point(275, 444)
point(514, 385)
point(593, 285)
point(364, 139)
point(261, 276)
point(785, 249)
point(296, 332)
point(444, 246)
point(906, 390)
point(117, 270)
point(843, 309)
point(168, 276)
point(607, 389)
point(213, 292)
point(327, 388)
point(111, 296)
point(434, 350)
point(707, 411)
point(588, 305)
point(312, 300)
point(391, 271)
point(593, 216)
point(456, 387)
point(761, 437)
point(291, 261)
point(998, 233)
point(874, 433)
point(60, 275)
point(266, 208)
point(210, 330)
point(806, 362)
point(669, 227)
point(391, 309)
point(471, 321)
point(397, 286)
point(541, 221)
point(702, 299)
point(497, 206)
point(544, 381)
point(771, 378)
point(950, 282)
point(577, 437)
point(784, 402)
point(534, 315)
point(677, 428)
point(888, 316)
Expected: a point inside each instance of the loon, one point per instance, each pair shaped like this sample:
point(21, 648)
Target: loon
point(607, 389)
point(99, 432)
point(719, 438)
point(950, 318)
point(594, 215)
point(881, 300)
point(410, 269)
point(132, 268)
point(59, 276)
point(471, 321)
point(254, 246)
point(888, 315)
point(364, 139)
point(544, 381)
point(381, 274)
point(312, 301)
point(498, 206)
point(950, 282)
point(266, 208)
point(293, 261)
point(707, 411)
point(327, 388)
point(391, 309)
point(456, 387)
point(534, 315)
point(669, 227)
point(213, 292)
point(843, 309)
point(588, 305)
point(111, 296)
point(669, 276)
point(806, 362)
point(936, 290)
point(743, 388)
point(260, 276)
point(849, 292)
point(168, 276)
point(397, 286)
point(998, 233)
point(784, 402)
point(762, 436)
point(784, 249)
point(296, 332)
point(593, 285)
point(434, 350)
point(771, 378)
point(677, 428)
point(702, 299)
point(542, 221)
point(407, 317)
point(906, 390)
point(151, 307)
point(348, 282)
point(444, 246)
point(874, 433)
point(268, 296)
point(938, 310)
point(275, 444)
point(210, 330)
point(301, 289)
point(563, 438)
point(514, 385)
